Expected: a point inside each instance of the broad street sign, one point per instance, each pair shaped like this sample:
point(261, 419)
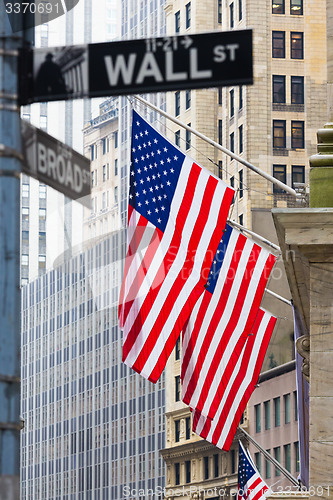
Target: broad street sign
point(57, 165)
point(136, 66)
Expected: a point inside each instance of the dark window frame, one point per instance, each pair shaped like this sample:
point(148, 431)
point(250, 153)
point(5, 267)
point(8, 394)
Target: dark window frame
point(294, 7)
point(300, 172)
point(279, 89)
point(278, 44)
point(296, 49)
point(297, 134)
point(279, 141)
point(278, 6)
point(232, 102)
point(297, 89)
point(177, 21)
point(231, 15)
point(188, 15)
point(240, 139)
point(280, 173)
point(177, 103)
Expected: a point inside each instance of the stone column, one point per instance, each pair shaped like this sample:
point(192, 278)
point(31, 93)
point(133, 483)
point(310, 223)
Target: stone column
point(306, 240)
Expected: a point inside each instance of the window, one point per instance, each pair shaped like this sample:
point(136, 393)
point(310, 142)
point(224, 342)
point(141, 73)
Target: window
point(296, 45)
point(219, 11)
point(220, 96)
point(115, 140)
point(277, 412)
point(241, 222)
point(188, 15)
point(177, 349)
point(232, 142)
point(297, 90)
point(279, 89)
point(177, 473)
point(286, 399)
point(279, 133)
point(277, 6)
point(41, 261)
point(177, 21)
point(177, 388)
point(220, 132)
point(104, 173)
point(296, 448)
point(240, 10)
point(232, 102)
point(240, 139)
point(177, 430)
point(231, 15)
point(42, 191)
point(295, 406)
point(25, 238)
point(25, 260)
point(240, 97)
point(268, 467)
point(257, 413)
point(206, 467)
point(92, 152)
point(257, 458)
point(25, 190)
point(232, 184)
point(241, 183)
point(216, 465)
point(287, 457)
point(177, 138)
point(25, 214)
point(297, 175)
point(187, 99)
point(177, 103)
point(188, 471)
point(297, 135)
point(220, 169)
point(188, 138)
point(279, 172)
point(43, 122)
point(277, 456)
point(104, 145)
point(42, 214)
point(188, 427)
point(267, 408)
point(116, 194)
point(116, 167)
point(296, 7)
point(233, 461)
point(278, 44)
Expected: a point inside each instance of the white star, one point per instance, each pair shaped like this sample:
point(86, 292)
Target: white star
point(165, 149)
point(154, 200)
point(139, 170)
point(156, 210)
point(172, 170)
point(153, 177)
point(145, 169)
point(142, 158)
point(158, 152)
point(157, 187)
point(168, 183)
point(163, 208)
point(155, 141)
point(169, 160)
point(144, 145)
point(133, 149)
point(162, 162)
point(136, 136)
point(134, 183)
point(139, 204)
point(132, 172)
point(159, 197)
point(165, 172)
point(141, 134)
point(175, 158)
point(136, 160)
point(144, 191)
point(148, 178)
point(147, 202)
point(141, 181)
point(138, 123)
point(146, 132)
point(137, 193)
point(159, 220)
point(149, 212)
point(151, 189)
point(149, 143)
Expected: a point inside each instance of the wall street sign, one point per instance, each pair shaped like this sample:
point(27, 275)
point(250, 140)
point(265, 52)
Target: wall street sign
point(137, 66)
point(55, 164)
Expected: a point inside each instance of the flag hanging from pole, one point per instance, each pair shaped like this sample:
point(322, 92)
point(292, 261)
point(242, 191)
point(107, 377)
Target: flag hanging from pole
point(176, 216)
point(222, 319)
point(250, 484)
point(221, 429)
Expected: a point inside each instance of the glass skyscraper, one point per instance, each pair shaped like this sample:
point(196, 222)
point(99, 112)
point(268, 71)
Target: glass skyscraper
point(92, 427)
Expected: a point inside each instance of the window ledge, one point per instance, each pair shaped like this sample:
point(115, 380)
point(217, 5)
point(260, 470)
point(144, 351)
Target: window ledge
point(280, 152)
point(296, 108)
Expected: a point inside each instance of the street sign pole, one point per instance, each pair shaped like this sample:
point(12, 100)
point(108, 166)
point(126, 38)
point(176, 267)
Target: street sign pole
point(10, 168)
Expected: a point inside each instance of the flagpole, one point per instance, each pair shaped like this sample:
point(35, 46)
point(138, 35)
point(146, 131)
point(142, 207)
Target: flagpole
point(261, 238)
point(286, 301)
point(221, 148)
point(269, 457)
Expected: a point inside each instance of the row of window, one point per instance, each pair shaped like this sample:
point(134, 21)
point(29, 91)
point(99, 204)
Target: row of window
point(211, 468)
point(280, 173)
point(277, 455)
point(296, 7)
point(277, 411)
point(297, 134)
point(105, 200)
point(178, 102)
point(105, 146)
point(232, 13)
point(26, 191)
point(187, 138)
point(187, 429)
point(296, 89)
point(105, 173)
point(187, 18)
point(279, 45)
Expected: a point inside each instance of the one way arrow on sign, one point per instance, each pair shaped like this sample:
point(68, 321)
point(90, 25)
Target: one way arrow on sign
point(136, 66)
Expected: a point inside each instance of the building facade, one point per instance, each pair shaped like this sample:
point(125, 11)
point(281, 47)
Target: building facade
point(101, 146)
point(51, 223)
point(273, 422)
point(92, 427)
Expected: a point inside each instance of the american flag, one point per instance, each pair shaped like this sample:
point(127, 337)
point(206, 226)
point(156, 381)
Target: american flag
point(176, 215)
point(222, 319)
point(250, 485)
point(243, 377)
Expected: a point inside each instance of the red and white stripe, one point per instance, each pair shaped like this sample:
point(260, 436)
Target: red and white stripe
point(221, 429)
point(255, 488)
point(221, 322)
point(165, 271)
